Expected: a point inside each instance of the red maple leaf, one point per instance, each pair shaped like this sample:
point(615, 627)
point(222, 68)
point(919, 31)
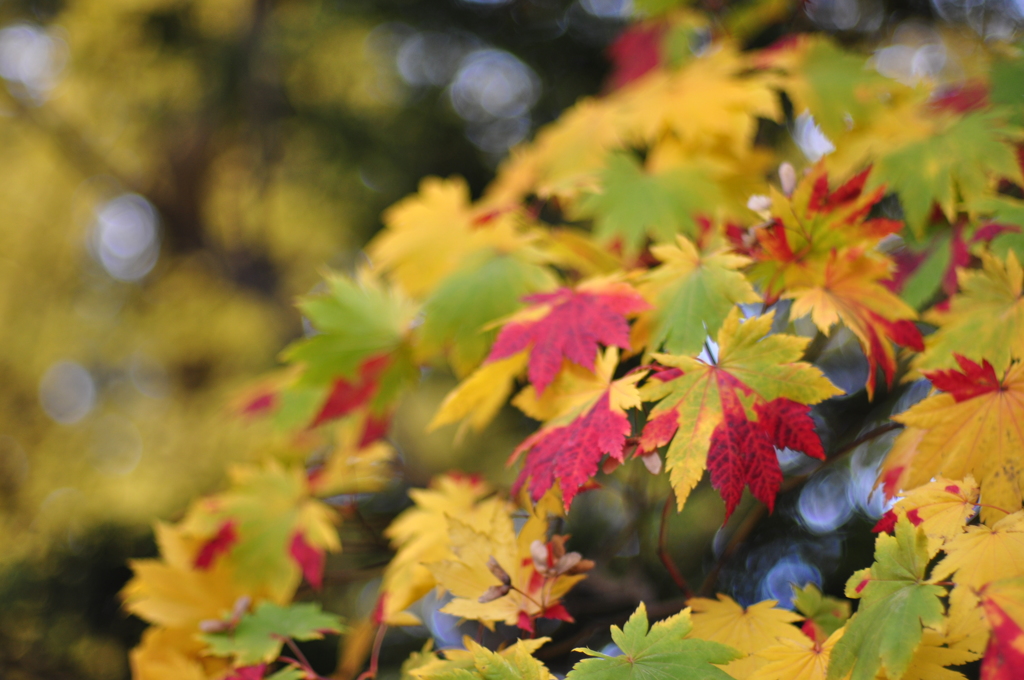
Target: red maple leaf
point(309, 559)
point(742, 451)
point(348, 395)
point(575, 323)
point(972, 380)
point(789, 425)
point(570, 454)
point(219, 545)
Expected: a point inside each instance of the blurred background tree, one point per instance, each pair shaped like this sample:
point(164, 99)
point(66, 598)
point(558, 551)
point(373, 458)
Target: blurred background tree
point(175, 172)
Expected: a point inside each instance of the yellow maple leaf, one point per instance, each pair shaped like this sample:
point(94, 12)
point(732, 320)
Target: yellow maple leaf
point(976, 433)
point(420, 536)
point(796, 658)
point(441, 220)
point(172, 593)
point(984, 321)
point(931, 658)
point(470, 575)
point(174, 654)
point(478, 398)
point(705, 103)
point(941, 508)
point(748, 629)
point(984, 554)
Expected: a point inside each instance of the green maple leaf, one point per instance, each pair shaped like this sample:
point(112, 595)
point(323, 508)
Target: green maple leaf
point(836, 84)
point(695, 292)
point(896, 602)
point(634, 204)
point(479, 293)
point(957, 164)
point(658, 653)
point(354, 322)
point(259, 635)
point(828, 613)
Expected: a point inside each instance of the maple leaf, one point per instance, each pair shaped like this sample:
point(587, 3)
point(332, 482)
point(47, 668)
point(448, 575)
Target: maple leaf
point(258, 636)
point(796, 658)
point(984, 322)
point(752, 365)
point(712, 101)
point(850, 291)
point(633, 204)
point(983, 554)
point(742, 451)
point(658, 651)
point(568, 324)
point(694, 291)
point(941, 508)
point(960, 158)
point(479, 293)
point(585, 427)
point(896, 601)
point(439, 220)
point(478, 398)
point(172, 593)
point(1003, 602)
point(807, 227)
point(973, 430)
point(746, 629)
point(419, 536)
point(173, 654)
point(476, 662)
point(825, 613)
point(479, 556)
point(836, 85)
point(269, 505)
point(356, 319)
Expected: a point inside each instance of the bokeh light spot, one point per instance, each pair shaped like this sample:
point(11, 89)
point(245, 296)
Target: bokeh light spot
point(67, 392)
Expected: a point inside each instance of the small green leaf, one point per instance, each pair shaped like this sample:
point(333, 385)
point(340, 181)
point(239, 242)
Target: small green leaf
point(959, 163)
point(896, 602)
point(258, 637)
point(465, 302)
point(288, 673)
point(354, 322)
point(634, 204)
point(828, 613)
point(656, 654)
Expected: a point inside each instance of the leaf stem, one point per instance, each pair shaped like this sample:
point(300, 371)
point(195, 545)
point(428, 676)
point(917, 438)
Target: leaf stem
point(663, 554)
point(378, 641)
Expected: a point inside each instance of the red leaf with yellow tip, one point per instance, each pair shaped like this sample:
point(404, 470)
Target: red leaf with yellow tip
point(570, 454)
point(972, 380)
point(571, 325)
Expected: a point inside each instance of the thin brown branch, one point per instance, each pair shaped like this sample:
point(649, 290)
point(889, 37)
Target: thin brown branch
point(663, 554)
